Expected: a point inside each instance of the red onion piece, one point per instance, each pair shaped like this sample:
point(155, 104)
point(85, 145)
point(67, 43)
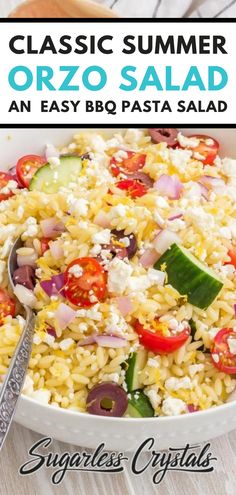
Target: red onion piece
point(169, 185)
point(124, 304)
point(51, 331)
point(235, 309)
point(87, 340)
point(191, 408)
point(148, 258)
point(211, 182)
point(54, 285)
point(64, 315)
point(52, 227)
point(204, 191)
point(174, 217)
point(110, 341)
point(164, 239)
point(56, 249)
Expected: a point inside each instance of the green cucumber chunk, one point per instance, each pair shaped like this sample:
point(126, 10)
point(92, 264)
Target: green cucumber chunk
point(135, 363)
point(49, 179)
point(189, 276)
point(139, 405)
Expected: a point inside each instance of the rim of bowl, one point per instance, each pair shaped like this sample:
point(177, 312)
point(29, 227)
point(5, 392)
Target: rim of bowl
point(180, 417)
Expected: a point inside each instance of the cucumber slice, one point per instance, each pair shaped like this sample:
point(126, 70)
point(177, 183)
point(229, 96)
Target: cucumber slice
point(139, 405)
point(49, 180)
point(189, 276)
point(135, 364)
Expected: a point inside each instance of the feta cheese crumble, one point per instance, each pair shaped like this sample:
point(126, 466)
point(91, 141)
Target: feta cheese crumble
point(215, 358)
point(195, 368)
point(174, 383)
point(133, 135)
point(118, 276)
point(102, 237)
point(154, 398)
point(76, 271)
point(120, 155)
point(153, 363)
point(28, 386)
point(143, 282)
point(42, 395)
point(78, 207)
point(31, 227)
point(11, 186)
point(200, 218)
point(187, 142)
point(180, 158)
point(232, 344)
point(173, 407)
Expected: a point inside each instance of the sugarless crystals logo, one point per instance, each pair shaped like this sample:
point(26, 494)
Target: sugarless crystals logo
point(191, 458)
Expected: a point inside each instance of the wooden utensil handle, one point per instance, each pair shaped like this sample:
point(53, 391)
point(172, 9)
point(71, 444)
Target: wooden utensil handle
point(61, 9)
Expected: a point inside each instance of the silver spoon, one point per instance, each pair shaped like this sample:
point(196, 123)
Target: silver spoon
point(12, 385)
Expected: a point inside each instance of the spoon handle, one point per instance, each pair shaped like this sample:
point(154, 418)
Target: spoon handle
point(14, 380)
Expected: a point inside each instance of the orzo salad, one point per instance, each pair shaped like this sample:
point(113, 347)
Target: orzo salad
point(128, 260)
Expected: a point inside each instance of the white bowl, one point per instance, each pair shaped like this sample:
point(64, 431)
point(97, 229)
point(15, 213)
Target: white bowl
point(117, 433)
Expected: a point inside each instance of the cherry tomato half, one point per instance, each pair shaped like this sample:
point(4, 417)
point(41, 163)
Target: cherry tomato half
point(222, 357)
point(27, 166)
point(207, 148)
point(7, 305)
point(4, 179)
point(134, 188)
point(80, 289)
point(45, 244)
point(232, 255)
point(157, 342)
point(133, 162)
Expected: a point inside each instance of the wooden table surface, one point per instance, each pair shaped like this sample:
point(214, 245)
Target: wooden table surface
point(223, 480)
